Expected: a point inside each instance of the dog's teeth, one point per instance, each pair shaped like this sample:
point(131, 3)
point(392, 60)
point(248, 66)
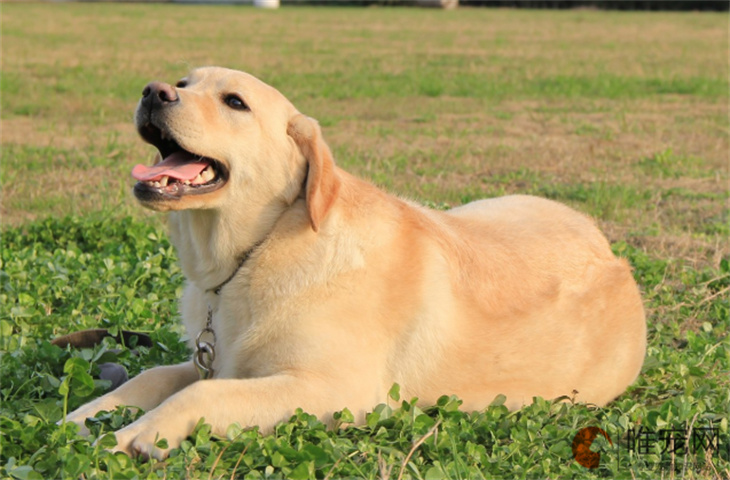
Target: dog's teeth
point(207, 174)
point(164, 180)
point(156, 184)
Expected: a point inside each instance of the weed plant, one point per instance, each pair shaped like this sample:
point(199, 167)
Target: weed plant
point(68, 274)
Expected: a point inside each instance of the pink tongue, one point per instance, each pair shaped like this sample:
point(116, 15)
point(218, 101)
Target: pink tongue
point(177, 165)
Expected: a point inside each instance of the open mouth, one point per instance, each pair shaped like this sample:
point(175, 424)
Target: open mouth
point(179, 173)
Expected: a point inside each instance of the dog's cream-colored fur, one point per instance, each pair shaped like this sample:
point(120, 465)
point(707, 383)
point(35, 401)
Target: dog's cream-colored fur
point(353, 290)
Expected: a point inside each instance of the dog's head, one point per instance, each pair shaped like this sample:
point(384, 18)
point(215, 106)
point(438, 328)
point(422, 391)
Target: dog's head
point(226, 139)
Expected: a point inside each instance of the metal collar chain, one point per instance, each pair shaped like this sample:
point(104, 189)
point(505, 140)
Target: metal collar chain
point(204, 349)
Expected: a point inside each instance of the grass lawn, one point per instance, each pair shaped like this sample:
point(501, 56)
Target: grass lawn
point(621, 115)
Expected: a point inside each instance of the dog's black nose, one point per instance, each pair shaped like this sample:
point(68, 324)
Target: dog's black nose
point(159, 94)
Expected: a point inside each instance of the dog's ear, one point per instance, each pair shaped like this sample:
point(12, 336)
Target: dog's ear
point(323, 184)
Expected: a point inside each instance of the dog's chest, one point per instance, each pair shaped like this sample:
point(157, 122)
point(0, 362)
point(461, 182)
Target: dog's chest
point(244, 344)
point(232, 320)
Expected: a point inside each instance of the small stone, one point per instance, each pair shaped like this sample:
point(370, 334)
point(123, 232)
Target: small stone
point(113, 372)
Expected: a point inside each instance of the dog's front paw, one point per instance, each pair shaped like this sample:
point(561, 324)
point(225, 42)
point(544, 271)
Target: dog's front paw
point(141, 444)
point(81, 422)
point(148, 438)
point(80, 415)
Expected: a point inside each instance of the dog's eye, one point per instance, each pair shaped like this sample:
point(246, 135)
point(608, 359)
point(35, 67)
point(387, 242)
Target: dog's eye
point(235, 102)
point(181, 84)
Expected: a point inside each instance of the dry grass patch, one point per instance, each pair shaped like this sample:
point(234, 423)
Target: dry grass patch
point(622, 115)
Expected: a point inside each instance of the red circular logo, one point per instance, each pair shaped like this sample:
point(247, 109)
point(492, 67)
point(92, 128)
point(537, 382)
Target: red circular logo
point(582, 446)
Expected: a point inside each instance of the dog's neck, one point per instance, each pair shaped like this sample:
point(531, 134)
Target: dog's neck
point(210, 246)
point(243, 258)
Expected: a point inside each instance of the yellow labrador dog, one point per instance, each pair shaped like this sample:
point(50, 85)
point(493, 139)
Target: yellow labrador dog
point(307, 287)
